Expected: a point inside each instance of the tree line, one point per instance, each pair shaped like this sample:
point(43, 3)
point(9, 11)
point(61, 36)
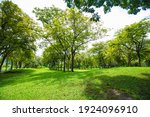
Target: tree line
point(130, 47)
point(65, 35)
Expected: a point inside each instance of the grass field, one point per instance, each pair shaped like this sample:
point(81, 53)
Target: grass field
point(112, 83)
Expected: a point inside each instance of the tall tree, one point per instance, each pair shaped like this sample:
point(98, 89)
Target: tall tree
point(56, 30)
point(17, 30)
point(133, 38)
point(70, 28)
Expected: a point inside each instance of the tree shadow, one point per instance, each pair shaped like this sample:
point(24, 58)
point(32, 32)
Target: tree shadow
point(46, 78)
point(121, 87)
point(59, 77)
point(14, 76)
point(146, 74)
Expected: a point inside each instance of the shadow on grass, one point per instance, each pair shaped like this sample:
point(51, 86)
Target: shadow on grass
point(146, 74)
point(45, 77)
point(59, 77)
point(94, 87)
point(14, 76)
point(18, 71)
point(120, 87)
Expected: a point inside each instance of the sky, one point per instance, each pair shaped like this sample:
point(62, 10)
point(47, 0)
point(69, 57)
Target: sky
point(114, 20)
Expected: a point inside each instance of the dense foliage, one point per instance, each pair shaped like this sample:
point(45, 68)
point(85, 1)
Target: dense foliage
point(67, 32)
point(130, 47)
point(17, 34)
point(133, 6)
point(65, 35)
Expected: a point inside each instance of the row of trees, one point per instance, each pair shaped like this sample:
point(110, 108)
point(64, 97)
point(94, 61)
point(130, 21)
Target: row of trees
point(66, 33)
point(130, 47)
point(18, 33)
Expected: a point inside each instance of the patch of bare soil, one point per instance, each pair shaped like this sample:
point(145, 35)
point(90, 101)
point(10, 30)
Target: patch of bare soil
point(118, 95)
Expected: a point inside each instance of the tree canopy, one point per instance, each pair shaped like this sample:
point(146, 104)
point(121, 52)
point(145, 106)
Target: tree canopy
point(65, 35)
point(17, 30)
point(134, 37)
point(130, 47)
point(133, 6)
point(70, 30)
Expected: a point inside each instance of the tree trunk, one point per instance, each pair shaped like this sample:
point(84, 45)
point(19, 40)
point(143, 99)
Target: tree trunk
point(72, 61)
point(64, 69)
point(68, 65)
point(61, 65)
point(12, 63)
point(139, 58)
point(3, 59)
point(6, 64)
point(20, 64)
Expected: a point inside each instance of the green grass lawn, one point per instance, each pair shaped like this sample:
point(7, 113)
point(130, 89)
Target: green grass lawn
point(112, 83)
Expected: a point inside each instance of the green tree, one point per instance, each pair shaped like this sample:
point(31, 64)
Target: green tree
point(22, 58)
point(17, 30)
point(133, 38)
point(70, 29)
point(133, 6)
point(97, 52)
point(84, 60)
point(146, 53)
point(56, 30)
point(52, 58)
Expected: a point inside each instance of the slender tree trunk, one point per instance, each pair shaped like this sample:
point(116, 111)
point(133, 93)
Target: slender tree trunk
point(68, 65)
point(72, 61)
point(64, 69)
point(2, 62)
point(139, 58)
point(12, 63)
point(6, 64)
point(61, 65)
point(20, 64)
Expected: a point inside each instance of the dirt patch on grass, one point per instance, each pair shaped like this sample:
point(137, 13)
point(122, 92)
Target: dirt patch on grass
point(118, 95)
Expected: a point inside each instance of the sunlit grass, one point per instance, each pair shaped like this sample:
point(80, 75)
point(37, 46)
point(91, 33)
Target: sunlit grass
point(112, 83)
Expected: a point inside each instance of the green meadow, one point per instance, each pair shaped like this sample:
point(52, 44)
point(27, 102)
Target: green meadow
point(91, 84)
